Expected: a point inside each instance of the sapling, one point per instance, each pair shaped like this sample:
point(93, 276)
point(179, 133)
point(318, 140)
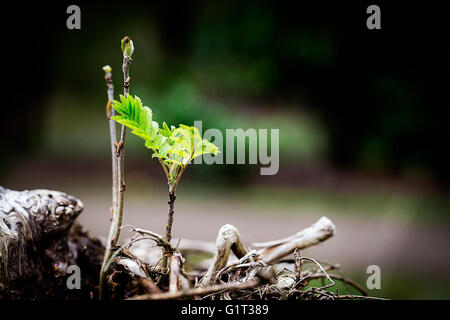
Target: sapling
point(174, 147)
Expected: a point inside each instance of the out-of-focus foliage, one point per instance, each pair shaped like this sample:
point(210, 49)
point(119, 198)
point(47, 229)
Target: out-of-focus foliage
point(135, 116)
point(312, 70)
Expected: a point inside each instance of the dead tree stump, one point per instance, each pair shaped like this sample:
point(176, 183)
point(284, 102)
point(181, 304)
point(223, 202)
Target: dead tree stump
point(37, 244)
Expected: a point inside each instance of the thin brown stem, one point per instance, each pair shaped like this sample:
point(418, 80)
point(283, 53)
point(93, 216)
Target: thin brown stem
point(168, 235)
point(177, 180)
point(171, 203)
point(120, 153)
point(172, 197)
point(114, 231)
point(157, 238)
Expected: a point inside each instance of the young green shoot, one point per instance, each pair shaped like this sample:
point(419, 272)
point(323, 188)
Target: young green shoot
point(174, 147)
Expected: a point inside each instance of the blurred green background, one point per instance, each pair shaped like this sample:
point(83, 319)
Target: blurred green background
point(362, 133)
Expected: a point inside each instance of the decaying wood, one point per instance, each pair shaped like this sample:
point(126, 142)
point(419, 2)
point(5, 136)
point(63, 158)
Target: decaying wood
point(38, 241)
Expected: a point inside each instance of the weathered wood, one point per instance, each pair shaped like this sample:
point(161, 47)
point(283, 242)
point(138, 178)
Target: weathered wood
point(34, 228)
point(273, 251)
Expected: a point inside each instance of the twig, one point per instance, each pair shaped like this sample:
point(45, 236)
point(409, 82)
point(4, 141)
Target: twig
point(114, 231)
point(172, 189)
point(168, 236)
point(273, 251)
point(110, 112)
point(177, 180)
point(322, 269)
point(232, 286)
point(229, 268)
point(298, 264)
point(342, 279)
point(172, 198)
point(121, 145)
point(155, 236)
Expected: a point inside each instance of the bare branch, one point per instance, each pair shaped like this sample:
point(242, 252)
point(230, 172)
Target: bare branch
point(342, 279)
point(110, 112)
point(201, 291)
point(273, 251)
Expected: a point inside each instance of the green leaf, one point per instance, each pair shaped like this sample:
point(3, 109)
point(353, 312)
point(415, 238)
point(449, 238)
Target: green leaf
point(188, 144)
point(173, 161)
point(135, 116)
point(165, 131)
point(165, 149)
point(176, 147)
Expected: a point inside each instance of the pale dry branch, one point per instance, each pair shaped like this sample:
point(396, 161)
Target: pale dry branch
point(200, 291)
point(227, 240)
point(177, 280)
point(159, 239)
point(274, 251)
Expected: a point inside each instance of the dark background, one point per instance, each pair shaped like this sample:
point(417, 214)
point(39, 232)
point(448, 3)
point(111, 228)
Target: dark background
point(380, 93)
